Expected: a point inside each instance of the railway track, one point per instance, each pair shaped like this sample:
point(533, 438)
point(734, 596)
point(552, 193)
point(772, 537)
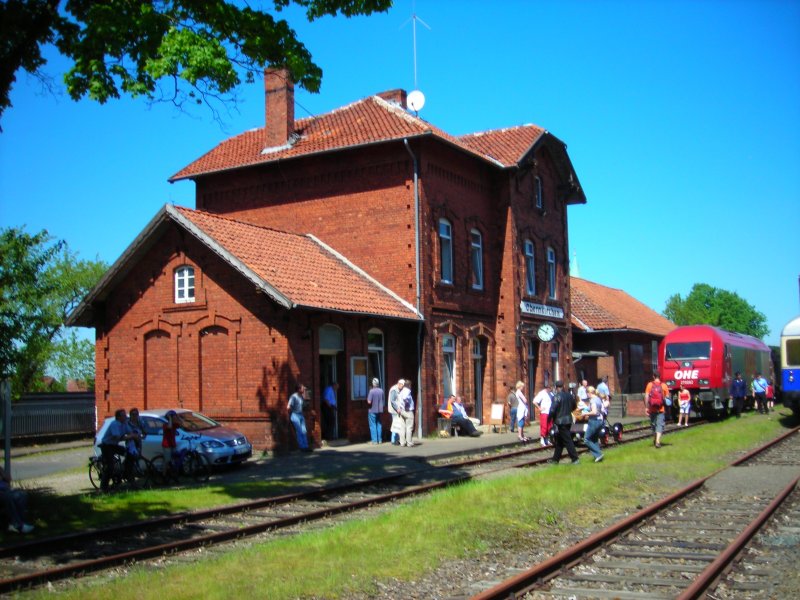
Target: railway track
point(684, 546)
point(46, 560)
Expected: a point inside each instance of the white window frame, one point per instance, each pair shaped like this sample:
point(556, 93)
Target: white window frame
point(446, 251)
point(184, 284)
point(375, 353)
point(448, 365)
point(551, 274)
point(538, 193)
point(476, 258)
point(529, 252)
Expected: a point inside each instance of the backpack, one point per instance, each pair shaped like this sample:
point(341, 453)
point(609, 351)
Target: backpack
point(655, 400)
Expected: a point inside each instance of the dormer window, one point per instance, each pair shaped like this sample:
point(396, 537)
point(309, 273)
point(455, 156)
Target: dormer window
point(184, 285)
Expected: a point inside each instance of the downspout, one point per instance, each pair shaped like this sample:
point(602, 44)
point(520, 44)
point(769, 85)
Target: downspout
point(420, 395)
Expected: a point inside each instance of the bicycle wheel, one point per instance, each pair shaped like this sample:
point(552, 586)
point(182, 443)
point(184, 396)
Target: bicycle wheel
point(196, 466)
point(142, 472)
point(157, 470)
point(95, 471)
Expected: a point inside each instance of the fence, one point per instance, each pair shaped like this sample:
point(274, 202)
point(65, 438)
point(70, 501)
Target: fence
point(53, 414)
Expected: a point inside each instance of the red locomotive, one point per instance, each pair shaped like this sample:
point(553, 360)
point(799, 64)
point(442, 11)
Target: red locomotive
point(706, 359)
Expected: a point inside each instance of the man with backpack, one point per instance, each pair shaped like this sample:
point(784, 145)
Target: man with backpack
point(561, 409)
point(655, 395)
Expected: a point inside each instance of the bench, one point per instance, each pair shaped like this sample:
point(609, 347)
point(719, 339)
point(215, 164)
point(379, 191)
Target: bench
point(447, 427)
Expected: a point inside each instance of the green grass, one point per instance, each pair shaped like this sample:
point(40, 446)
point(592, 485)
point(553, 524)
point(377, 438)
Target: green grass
point(415, 537)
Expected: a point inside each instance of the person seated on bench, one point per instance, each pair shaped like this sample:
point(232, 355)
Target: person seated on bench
point(461, 419)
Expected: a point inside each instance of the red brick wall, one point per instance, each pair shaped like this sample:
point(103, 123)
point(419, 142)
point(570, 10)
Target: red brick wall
point(361, 202)
point(232, 354)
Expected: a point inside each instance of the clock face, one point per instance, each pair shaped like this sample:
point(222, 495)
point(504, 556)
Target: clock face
point(546, 332)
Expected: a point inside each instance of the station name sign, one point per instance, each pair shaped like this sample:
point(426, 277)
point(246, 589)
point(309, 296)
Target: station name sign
point(541, 310)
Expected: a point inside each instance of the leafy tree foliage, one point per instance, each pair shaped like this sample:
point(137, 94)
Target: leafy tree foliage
point(41, 282)
point(712, 306)
point(198, 49)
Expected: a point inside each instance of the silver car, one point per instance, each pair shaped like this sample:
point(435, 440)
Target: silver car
point(219, 444)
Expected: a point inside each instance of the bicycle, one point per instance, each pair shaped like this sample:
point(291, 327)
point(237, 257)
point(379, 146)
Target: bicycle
point(141, 471)
point(186, 462)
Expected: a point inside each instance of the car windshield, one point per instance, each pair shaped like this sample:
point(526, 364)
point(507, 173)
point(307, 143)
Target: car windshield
point(688, 350)
point(192, 421)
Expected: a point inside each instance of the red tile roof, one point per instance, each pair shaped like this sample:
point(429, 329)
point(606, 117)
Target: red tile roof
point(596, 307)
point(368, 121)
point(299, 268)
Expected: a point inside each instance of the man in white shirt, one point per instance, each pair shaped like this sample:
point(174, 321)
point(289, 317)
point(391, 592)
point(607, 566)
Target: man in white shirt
point(544, 400)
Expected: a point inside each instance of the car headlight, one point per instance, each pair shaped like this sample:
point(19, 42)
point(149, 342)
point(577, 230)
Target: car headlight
point(212, 445)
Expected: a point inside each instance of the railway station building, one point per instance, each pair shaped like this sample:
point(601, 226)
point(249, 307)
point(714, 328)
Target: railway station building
point(615, 336)
point(365, 242)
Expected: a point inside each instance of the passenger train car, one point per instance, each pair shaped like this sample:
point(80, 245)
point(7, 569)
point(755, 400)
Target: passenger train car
point(790, 365)
point(706, 360)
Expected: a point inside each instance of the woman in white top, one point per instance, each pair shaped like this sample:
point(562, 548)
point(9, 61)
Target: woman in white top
point(522, 412)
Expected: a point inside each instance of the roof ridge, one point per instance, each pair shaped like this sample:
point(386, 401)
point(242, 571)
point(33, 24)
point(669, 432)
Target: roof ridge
point(608, 287)
point(238, 222)
point(501, 130)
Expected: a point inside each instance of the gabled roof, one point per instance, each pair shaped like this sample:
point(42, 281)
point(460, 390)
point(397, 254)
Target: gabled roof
point(596, 307)
point(368, 121)
point(296, 271)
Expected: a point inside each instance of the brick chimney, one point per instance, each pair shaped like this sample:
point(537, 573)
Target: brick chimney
point(279, 105)
point(395, 97)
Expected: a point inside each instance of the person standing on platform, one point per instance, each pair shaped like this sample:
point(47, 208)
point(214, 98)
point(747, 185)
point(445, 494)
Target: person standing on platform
point(522, 411)
point(397, 422)
point(684, 405)
point(738, 392)
point(295, 408)
point(512, 402)
point(406, 412)
point(760, 393)
point(544, 401)
point(563, 405)
point(375, 403)
point(329, 411)
point(583, 395)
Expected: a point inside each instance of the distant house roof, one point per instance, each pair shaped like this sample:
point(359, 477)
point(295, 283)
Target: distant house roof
point(596, 307)
point(372, 120)
point(296, 271)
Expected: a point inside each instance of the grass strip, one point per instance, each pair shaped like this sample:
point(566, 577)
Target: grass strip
point(414, 538)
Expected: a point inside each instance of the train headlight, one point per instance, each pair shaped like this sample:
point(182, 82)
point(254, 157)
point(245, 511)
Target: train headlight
point(671, 383)
point(704, 382)
point(791, 376)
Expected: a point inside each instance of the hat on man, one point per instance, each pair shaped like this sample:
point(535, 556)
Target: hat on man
point(559, 383)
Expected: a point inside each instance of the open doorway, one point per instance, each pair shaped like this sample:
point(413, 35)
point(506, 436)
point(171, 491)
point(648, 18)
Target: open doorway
point(333, 406)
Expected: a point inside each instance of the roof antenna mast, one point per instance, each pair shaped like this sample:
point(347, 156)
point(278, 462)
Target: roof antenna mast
point(416, 99)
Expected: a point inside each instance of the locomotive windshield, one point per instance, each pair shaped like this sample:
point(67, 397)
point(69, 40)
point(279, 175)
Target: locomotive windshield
point(688, 350)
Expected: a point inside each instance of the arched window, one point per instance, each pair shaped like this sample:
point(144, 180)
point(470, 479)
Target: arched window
point(476, 255)
point(184, 285)
point(530, 268)
point(446, 250)
point(448, 365)
point(551, 273)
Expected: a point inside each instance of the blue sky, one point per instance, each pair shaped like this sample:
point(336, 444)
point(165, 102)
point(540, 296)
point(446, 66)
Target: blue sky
point(682, 119)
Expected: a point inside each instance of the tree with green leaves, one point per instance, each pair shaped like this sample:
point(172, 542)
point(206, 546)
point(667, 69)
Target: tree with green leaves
point(707, 305)
point(194, 51)
point(41, 282)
